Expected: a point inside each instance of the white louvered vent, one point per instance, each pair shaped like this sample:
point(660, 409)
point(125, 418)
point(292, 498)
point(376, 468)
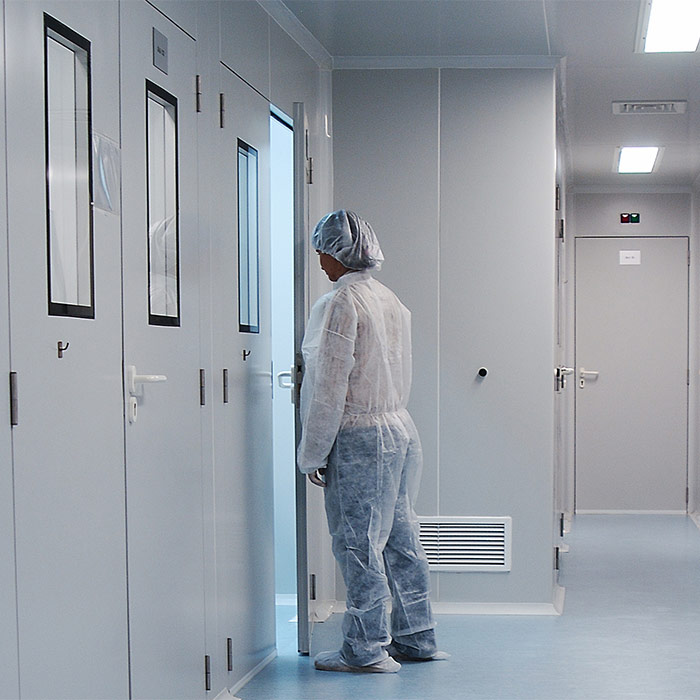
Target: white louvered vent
point(650, 107)
point(467, 543)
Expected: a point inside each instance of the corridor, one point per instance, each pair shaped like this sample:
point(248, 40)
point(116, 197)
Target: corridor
point(630, 631)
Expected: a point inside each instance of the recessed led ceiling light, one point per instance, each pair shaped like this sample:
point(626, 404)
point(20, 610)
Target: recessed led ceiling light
point(637, 159)
point(668, 26)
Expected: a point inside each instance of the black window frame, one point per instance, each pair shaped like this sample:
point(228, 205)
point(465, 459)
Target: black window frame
point(62, 308)
point(243, 147)
point(158, 319)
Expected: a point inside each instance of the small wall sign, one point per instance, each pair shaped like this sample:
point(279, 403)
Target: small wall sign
point(160, 51)
point(630, 257)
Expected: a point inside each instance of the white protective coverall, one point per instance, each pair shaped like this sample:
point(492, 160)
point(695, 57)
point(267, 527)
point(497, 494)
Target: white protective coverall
point(357, 353)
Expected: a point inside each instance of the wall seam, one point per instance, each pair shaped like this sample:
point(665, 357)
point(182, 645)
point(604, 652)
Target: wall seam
point(439, 284)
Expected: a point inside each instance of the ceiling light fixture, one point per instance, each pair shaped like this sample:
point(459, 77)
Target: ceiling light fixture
point(637, 159)
point(667, 26)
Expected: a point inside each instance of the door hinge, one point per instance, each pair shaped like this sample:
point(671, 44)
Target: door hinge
point(202, 388)
point(556, 558)
point(222, 110)
point(312, 587)
point(557, 198)
point(229, 654)
point(198, 93)
point(207, 673)
point(562, 230)
point(14, 400)
point(309, 160)
point(225, 387)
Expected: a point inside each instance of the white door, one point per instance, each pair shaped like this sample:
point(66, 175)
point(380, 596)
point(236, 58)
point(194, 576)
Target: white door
point(631, 374)
point(65, 316)
point(164, 476)
point(241, 349)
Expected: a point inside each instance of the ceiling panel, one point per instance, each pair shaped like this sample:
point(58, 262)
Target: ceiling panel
point(425, 27)
point(596, 37)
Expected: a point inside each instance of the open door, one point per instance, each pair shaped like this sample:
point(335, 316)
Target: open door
point(301, 225)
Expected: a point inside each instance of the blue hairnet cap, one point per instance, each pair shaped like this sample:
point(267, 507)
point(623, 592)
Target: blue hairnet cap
point(349, 239)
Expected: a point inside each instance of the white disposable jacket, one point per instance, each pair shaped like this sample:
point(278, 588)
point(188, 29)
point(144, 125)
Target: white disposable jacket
point(357, 356)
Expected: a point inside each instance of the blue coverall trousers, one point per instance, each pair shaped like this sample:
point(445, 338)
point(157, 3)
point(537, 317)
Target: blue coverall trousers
point(372, 480)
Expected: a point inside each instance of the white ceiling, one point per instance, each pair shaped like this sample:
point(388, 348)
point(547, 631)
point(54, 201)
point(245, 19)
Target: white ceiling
point(596, 37)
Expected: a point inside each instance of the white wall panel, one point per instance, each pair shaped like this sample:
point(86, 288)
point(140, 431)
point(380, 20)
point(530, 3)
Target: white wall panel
point(245, 42)
point(181, 12)
point(458, 180)
point(660, 214)
point(385, 152)
point(497, 293)
point(293, 73)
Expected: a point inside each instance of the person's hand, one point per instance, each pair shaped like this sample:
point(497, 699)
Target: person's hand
point(318, 478)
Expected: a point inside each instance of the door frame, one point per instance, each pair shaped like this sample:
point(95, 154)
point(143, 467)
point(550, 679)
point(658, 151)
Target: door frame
point(301, 222)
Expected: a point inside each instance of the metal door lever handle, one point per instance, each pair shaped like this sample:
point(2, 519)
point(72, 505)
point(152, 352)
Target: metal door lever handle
point(281, 377)
point(133, 379)
point(588, 373)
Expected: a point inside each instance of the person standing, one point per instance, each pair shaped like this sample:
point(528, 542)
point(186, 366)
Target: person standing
point(360, 444)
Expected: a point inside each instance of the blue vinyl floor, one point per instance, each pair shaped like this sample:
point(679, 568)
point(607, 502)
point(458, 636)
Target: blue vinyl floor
point(630, 630)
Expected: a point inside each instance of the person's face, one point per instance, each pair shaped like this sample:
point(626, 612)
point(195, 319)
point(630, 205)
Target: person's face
point(334, 270)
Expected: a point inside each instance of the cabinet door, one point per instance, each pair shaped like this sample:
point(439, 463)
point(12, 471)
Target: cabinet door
point(161, 342)
point(65, 316)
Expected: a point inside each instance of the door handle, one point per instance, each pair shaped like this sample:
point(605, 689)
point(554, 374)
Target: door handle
point(586, 374)
point(285, 381)
point(133, 379)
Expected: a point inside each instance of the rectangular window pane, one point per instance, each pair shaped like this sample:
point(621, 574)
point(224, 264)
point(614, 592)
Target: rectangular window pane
point(248, 302)
point(68, 171)
point(163, 236)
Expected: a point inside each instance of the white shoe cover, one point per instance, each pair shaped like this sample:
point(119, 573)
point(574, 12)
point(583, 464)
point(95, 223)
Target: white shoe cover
point(333, 661)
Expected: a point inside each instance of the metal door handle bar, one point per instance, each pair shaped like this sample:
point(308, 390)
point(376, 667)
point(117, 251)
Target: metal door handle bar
point(588, 373)
point(133, 379)
point(284, 380)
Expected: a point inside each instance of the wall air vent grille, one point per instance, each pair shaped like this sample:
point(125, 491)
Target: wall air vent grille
point(467, 543)
point(650, 107)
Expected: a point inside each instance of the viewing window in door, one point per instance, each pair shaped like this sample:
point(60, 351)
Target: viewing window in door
point(163, 226)
point(248, 293)
point(67, 103)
